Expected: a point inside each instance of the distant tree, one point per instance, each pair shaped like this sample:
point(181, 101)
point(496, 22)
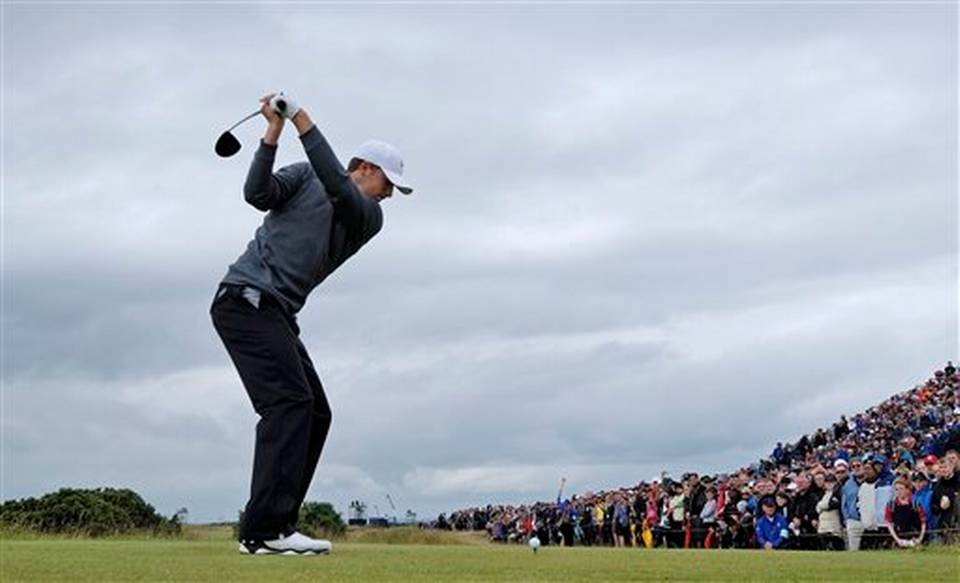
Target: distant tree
point(359, 509)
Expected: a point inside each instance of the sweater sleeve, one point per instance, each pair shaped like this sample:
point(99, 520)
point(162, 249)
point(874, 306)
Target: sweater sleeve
point(358, 212)
point(265, 190)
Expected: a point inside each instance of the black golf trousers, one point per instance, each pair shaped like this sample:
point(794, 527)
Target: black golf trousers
point(286, 393)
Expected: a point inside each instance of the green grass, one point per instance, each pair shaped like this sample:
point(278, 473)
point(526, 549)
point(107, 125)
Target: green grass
point(210, 555)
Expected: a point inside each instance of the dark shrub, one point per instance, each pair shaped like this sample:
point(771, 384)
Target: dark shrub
point(92, 512)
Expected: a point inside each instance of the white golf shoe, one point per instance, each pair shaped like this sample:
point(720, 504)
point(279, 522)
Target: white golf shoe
point(292, 544)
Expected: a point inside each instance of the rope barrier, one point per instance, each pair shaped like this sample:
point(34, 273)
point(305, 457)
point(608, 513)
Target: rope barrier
point(814, 541)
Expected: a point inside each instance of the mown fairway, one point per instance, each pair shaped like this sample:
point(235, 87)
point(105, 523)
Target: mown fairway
point(216, 559)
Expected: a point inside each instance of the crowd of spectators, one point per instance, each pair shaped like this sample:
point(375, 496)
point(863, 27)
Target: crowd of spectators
point(887, 477)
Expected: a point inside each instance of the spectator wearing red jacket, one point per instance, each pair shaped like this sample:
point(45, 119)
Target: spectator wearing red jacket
point(906, 520)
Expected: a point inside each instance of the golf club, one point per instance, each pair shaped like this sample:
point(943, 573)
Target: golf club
point(227, 144)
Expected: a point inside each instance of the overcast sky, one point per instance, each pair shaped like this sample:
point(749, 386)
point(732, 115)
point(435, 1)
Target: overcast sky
point(643, 237)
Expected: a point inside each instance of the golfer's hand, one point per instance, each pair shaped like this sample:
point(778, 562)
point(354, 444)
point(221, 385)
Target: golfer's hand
point(284, 105)
point(274, 121)
point(272, 117)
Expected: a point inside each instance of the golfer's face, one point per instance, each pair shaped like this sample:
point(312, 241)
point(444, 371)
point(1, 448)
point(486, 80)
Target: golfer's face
point(373, 183)
point(382, 187)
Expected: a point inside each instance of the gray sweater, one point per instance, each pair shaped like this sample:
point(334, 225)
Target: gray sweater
point(316, 219)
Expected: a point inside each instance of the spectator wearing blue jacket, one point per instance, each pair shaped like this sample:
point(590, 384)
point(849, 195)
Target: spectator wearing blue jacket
point(923, 496)
point(849, 513)
point(771, 527)
point(777, 454)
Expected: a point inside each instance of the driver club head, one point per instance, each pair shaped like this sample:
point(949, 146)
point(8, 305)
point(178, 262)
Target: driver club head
point(227, 145)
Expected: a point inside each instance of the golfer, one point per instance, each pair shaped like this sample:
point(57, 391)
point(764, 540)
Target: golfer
point(317, 215)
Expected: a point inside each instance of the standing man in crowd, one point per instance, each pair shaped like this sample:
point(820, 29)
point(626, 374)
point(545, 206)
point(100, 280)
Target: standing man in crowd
point(867, 504)
point(945, 498)
point(829, 530)
point(318, 214)
point(805, 510)
point(849, 492)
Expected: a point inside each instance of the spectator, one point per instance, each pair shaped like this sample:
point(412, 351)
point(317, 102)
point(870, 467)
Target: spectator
point(884, 494)
point(867, 503)
point(653, 507)
point(696, 501)
point(849, 510)
point(771, 527)
point(587, 528)
point(708, 517)
point(906, 521)
point(805, 510)
point(567, 519)
point(944, 503)
point(828, 522)
point(783, 504)
point(599, 518)
point(677, 515)
point(621, 519)
point(923, 496)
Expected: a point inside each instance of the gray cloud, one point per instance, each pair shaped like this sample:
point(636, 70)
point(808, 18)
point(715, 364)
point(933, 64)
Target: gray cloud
point(643, 238)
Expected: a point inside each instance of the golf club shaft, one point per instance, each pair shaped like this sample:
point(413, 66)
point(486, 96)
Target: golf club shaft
point(244, 119)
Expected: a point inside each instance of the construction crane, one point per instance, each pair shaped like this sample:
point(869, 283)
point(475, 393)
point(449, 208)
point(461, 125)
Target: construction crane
point(392, 506)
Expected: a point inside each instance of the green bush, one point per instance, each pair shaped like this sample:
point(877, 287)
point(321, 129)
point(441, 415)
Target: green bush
point(91, 512)
point(319, 519)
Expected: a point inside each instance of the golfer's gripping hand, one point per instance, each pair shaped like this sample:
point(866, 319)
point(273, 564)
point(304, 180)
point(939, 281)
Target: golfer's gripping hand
point(267, 111)
point(274, 120)
point(284, 105)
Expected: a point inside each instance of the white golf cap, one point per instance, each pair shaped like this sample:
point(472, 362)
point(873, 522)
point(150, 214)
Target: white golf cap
point(388, 159)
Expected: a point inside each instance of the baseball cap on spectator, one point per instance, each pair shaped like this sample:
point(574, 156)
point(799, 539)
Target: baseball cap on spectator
point(768, 501)
point(930, 460)
point(841, 463)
